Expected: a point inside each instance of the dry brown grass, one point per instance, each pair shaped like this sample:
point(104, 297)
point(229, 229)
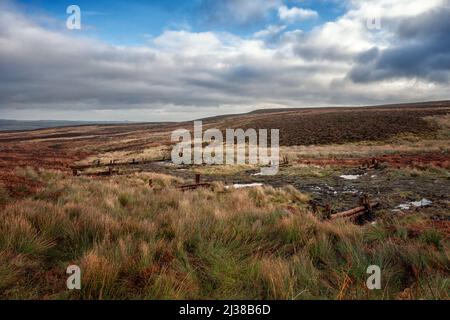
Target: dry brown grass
point(132, 241)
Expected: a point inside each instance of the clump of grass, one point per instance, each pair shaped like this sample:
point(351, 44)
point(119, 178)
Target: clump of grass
point(18, 235)
point(125, 199)
point(432, 237)
point(9, 272)
point(4, 196)
point(28, 172)
point(275, 275)
point(99, 278)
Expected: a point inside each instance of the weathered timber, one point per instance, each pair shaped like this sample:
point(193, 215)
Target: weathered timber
point(353, 213)
point(194, 186)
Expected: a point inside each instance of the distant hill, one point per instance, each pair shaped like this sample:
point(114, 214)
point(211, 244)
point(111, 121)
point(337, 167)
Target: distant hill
point(316, 126)
point(232, 119)
point(22, 125)
point(427, 104)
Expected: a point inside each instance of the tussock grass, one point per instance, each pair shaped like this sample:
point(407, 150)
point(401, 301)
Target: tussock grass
point(4, 196)
point(28, 172)
point(137, 242)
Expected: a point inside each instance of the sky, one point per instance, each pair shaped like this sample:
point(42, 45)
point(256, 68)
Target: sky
point(159, 60)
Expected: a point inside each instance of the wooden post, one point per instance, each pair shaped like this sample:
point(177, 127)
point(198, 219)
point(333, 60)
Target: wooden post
point(327, 210)
point(365, 202)
point(197, 178)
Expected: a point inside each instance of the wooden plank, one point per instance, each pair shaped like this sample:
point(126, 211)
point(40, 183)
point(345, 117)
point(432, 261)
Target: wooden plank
point(194, 186)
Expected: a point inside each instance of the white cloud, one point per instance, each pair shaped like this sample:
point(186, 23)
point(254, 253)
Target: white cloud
point(185, 75)
point(192, 43)
point(388, 8)
point(270, 31)
point(296, 14)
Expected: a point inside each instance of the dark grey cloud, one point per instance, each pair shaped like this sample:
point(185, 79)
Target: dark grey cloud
point(421, 50)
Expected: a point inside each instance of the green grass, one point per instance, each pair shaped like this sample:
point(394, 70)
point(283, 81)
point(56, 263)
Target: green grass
point(432, 237)
point(137, 242)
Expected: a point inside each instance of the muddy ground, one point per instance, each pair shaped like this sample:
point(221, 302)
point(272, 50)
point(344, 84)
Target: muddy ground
point(338, 187)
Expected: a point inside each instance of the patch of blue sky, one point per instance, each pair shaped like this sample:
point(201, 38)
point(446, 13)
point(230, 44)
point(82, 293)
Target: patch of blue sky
point(134, 22)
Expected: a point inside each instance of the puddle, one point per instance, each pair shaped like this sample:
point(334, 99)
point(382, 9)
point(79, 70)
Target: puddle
point(242, 186)
point(416, 204)
point(350, 177)
point(422, 203)
point(321, 189)
point(165, 163)
point(404, 206)
point(351, 191)
point(256, 174)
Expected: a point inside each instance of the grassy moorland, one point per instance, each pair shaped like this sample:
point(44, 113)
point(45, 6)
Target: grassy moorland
point(136, 241)
point(133, 241)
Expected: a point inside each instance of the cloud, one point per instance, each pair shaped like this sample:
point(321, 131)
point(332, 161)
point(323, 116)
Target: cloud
point(270, 32)
point(296, 14)
point(48, 73)
point(421, 49)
